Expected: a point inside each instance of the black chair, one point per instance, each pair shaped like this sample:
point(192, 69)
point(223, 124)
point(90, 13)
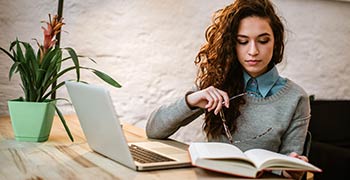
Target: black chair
point(330, 146)
point(306, 150)
point(307, 144)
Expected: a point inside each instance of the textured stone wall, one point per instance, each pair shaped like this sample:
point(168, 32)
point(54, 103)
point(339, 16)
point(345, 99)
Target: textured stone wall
point(149, 47)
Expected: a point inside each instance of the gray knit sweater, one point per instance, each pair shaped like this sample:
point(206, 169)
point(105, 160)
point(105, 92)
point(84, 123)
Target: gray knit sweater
point(287, 112)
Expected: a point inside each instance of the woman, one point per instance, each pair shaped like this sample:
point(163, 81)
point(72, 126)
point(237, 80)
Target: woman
point(244, 43)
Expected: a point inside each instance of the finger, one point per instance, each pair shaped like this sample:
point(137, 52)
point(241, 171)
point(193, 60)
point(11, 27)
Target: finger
point(304, 158)
point(296, 155)
point(209, 100)
point(226, 98)
point(293, 154)
point(218, 102)
point(215, 100)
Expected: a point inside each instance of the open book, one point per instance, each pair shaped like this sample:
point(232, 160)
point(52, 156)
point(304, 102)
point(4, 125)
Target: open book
point(227, 158)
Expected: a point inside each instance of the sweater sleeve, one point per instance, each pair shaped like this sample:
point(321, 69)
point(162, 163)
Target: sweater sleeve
point(294, 138)
point(167, 119)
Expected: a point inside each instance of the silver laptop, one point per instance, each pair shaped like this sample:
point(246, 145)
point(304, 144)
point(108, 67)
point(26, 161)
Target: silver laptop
point(102, 129)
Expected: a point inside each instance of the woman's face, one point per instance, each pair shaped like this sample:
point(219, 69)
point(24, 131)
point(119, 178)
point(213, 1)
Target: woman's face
point(255, 42)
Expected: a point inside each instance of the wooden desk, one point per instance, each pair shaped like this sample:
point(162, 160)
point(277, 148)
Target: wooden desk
point(59, 158)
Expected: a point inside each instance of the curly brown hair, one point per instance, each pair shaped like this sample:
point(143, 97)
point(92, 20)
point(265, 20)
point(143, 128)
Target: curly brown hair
point(217, 60)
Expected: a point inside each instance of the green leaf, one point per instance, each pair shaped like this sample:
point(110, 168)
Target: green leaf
point(19, 52)
point(106, 78)
point(13, 44)
point(75, 59)
point(64, 123)
point(51, 91)
point(13, 68)
point(92, 60)
point(48, 68)
point(48, 58)
point(48, 77)
point(29, 54)
point(24, 70)
point(15, 56)
point(33, 66)
point(80, 56)
point(56, 76)
point(7, 53)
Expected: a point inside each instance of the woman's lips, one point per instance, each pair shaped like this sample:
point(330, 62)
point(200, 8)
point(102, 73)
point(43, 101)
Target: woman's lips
point(252, 62)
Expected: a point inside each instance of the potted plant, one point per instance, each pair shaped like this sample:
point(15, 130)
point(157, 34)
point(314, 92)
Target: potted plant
point(38, 72)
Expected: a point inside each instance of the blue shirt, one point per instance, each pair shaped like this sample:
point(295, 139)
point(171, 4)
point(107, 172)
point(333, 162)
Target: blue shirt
point(264, 85)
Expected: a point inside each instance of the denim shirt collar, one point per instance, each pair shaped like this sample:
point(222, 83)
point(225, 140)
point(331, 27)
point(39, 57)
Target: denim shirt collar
point(265, 81)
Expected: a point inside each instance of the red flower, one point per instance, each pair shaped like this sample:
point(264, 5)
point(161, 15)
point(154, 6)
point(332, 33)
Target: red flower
point(53, 28)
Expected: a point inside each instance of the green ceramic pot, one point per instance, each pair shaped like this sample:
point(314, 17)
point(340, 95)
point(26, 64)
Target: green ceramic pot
point(31, 121)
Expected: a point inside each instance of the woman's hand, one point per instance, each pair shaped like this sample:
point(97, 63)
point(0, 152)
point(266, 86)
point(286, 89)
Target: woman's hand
point(295, 174)
point(210, 98)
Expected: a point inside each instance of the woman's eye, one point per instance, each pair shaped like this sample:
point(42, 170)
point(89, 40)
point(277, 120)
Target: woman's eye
point(242, 42)
point(264, 41)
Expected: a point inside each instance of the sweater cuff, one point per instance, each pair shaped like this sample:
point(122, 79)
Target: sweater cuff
point(188, 105)
point(183, 107)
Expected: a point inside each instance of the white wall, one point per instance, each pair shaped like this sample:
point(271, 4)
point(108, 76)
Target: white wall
point(150, 46)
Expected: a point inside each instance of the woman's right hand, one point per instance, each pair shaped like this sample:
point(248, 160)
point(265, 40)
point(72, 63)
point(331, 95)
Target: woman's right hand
point(209, 98)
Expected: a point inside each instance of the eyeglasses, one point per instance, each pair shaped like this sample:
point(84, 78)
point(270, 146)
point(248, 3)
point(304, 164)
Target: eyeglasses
point(227, 131)
point(242, 94)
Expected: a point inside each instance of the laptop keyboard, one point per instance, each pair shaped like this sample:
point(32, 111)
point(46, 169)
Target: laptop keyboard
point(142, 155)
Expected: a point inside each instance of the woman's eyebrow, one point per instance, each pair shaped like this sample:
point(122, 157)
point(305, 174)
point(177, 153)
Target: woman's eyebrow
point(245, 36)
point(264, 34)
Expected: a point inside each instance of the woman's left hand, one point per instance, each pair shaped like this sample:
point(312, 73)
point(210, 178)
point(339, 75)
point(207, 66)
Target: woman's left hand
point(295, 174)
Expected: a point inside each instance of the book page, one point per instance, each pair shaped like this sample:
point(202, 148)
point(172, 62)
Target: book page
point(229, 166)
point(212, 150)
point(271, 160)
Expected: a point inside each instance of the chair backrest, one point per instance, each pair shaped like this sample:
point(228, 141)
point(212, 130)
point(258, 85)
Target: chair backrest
point(307, 144)
point(306, 150)
point(330, 121)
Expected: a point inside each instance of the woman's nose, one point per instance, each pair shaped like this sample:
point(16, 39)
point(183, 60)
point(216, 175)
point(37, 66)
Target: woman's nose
point(253, 49)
